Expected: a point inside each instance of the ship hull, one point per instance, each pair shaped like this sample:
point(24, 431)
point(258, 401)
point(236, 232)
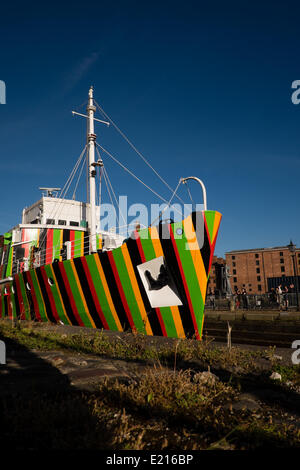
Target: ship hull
point(155, 283)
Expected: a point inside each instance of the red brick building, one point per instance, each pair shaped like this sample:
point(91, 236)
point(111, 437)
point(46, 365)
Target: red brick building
point(215, 281)
point(260, 269)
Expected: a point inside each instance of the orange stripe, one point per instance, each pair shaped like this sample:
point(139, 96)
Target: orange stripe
point(196, 256)
point(107, 293)
point(174, 309)
point(81, 293)
point(217, 221)
point(136, 290)
point(41, 295)
point(61, 300)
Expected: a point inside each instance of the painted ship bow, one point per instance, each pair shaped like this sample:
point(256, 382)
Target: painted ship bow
point(153, 282)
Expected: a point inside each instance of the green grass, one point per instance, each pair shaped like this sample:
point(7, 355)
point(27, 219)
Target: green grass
point(167, 407)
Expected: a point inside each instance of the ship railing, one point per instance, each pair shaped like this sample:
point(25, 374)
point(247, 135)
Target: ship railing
point(48, 255)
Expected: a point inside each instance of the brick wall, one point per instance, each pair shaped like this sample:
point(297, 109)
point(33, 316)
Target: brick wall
point(251, 268)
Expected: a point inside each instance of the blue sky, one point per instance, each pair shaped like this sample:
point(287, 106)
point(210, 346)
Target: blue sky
point(201, 89)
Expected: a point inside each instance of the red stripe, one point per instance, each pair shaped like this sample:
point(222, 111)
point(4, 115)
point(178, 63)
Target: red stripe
point(72, 240)
point(209, 241)
point(20, 297)
point(70, 294)
point(94, 293)
point(49, 246)
point(120, 288)
point(212, 246)
point(9, 310)
point(143, 258)
point(50, 296)
point(184, 283)
point(35, 302)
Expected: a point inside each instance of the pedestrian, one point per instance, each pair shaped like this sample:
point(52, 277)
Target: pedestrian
point(279, 296)
point(238, 299)
point(212, 299)
point(285, 297)
point(273, 296)
point(245, 299)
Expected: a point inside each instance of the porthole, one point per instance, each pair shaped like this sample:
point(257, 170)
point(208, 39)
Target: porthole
point(28, 286)
point(179, 231)
point(50, 281)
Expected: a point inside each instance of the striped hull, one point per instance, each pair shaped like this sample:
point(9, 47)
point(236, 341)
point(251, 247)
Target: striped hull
point(107, 290)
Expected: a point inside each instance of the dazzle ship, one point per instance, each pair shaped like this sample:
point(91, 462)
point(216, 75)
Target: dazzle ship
point(59, 266)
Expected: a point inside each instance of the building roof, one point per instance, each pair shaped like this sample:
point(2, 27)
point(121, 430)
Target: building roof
point(251, 250)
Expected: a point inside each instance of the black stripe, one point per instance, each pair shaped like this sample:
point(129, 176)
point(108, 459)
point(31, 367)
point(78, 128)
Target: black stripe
point(198, 222)
point(87, 293)
point(172, 264)
point(64, 295)
point(151, 312)
point(114, 291)
point(17, 300)
point(5, 302)
point(45, 295)
point(66, 235)
point(86, 242)
point(29, 296)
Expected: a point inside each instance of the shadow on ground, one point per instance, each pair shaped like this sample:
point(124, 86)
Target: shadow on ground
point(41, 409)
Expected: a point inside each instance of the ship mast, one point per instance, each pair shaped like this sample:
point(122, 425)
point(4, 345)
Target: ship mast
point(91, 138)
point(92, 164)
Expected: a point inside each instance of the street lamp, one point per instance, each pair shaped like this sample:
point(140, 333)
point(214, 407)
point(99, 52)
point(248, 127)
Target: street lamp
point(292, 249)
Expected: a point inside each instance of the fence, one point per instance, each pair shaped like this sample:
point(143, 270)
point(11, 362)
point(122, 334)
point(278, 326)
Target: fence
point(254, 302)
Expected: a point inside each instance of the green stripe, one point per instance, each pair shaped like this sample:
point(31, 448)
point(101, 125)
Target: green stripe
point(101, 292)
point(24, 298)
point(56, 243)
point(128, 290)
point(190, 275)
point(210, 218)
point(166, 312)
point(77, 244)
point(38, 294)
point(76, 294)
point(9, 262)
point(56, 297)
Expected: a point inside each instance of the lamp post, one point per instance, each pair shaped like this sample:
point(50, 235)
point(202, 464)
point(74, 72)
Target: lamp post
point(292, 249)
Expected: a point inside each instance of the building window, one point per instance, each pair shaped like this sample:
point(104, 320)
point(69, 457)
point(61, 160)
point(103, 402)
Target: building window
point(250, 290)
point(50, 222)
point(258, 270)
point(243, 285)
point(258, 278)
point(281, 260)
point(74, 224)
point(62, 222)
point(233, 257)
point(233, 264)
point(234, 279)
point(282, 269)
point(256, 255)
point(298, 255)
point(257, 263)
point(259, 287)
point(281, 253)
point(234, 271)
